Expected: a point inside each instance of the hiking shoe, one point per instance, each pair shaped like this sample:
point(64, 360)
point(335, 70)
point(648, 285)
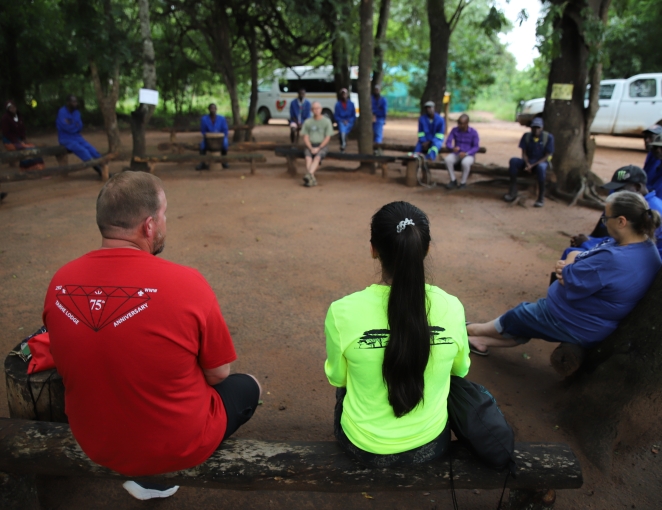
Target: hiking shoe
point(451, 185)
point(225, 166)
point(510, 198)
point(307, 179)
point(539, 203)
point(144, 490)
point(463, 185)
point(312, 181)
point(3, 195)
point(202, 166)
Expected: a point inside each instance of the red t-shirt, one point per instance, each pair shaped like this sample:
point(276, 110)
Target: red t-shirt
point(130, 335)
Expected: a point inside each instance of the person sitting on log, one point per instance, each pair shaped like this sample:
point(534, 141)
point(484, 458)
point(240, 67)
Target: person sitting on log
point(651, 163)
point(627, 178)
point(142, 347)
point(431, 130)
point(13, 136)
point(69, 126)
point(345, 114)
point(392, 348)
point(379, 111)
point(463, 141)
point(317, 132)
point(537, 149)
point(213, 123)
point(595, 289)
point(299, 112)
point(653, 166)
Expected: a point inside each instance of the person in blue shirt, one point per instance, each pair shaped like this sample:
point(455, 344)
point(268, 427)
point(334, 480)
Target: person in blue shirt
point(213, 123)
point(379, 108)
point(299, 112)
point(537, 149)
point(653, 165)
point(69, 126)
point(431, 129)
point(628, 178)
point(345, 115)
point(595, 289)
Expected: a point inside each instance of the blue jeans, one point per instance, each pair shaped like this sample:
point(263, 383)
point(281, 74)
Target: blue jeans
point(540, 171)
point(433, 150)
point(81, 148)
point(378, 130)
point(533, 320)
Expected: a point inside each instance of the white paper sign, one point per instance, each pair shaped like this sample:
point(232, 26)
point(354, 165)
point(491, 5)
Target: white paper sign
point(147, 96)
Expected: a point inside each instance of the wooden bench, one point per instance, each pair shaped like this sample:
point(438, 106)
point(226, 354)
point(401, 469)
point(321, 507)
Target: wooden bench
point(31, 448)
point(292, 153)
point(59, 151)
point(398, 147)
point(183, 158)
point(62, 170)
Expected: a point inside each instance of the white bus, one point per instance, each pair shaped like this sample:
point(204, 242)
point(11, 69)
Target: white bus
point(275, 94)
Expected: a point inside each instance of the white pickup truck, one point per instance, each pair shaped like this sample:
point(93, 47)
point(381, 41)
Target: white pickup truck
point(627, 107)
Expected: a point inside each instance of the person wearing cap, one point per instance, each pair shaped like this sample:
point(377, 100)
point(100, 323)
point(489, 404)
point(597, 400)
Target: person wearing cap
point(431, 129)
point(628, 178)
point(379, 108)
point(14, 138)
point(69, 126)
point(537, 149)
point(463, 142)
point(653, 164)
point(345, 115)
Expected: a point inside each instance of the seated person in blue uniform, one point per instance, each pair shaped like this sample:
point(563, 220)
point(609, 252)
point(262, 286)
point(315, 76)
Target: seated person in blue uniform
point(379, 108)
point(431, 129)
point(651, 162)
point(628, 178)
point(69, 125)
point(653, 165)
point(213, 123)
point(345, 115)
point(537, 148)
point(595, 289)
point(300, 110)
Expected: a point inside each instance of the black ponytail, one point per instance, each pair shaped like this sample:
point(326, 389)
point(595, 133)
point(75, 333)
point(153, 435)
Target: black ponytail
point(400, 233)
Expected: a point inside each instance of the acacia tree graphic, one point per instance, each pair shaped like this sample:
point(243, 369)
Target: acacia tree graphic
point(378, 338)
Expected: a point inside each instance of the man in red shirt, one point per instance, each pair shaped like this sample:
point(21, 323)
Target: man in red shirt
point(142, 346)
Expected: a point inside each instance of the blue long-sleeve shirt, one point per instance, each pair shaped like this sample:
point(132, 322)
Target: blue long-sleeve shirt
point(430, 129)
point(68, 124)
point(346, 113)
point(379, 107)
point(299, 112)
point(220, 125)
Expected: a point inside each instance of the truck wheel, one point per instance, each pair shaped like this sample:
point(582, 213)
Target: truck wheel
point(328, 114)
point(263, 115)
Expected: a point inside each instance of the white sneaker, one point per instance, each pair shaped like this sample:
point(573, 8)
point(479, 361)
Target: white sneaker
point(143, 493)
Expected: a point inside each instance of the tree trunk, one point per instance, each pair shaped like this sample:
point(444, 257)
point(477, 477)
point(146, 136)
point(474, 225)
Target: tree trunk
point(141, 115)
point(614, 399)
point(567, 119)
point(107, 104)
point(380, 42)
point(440, 36)
point(12, 66)
point(252, 109)
point(365, 69)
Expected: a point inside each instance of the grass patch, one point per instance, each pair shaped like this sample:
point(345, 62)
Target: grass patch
point(502, 110)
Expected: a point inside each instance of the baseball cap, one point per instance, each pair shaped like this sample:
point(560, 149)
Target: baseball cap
point(429, 103)
point(657, 141)
point(536, 122)
point(655, 129)
point(624, 175)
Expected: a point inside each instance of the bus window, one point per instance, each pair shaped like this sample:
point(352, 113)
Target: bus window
point(313, 85)
point(284, 85)
point(265, 86)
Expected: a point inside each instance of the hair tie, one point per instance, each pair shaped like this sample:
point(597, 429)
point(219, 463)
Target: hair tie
point(403, 225)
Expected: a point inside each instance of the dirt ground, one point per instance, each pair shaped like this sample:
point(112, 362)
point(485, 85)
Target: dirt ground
point(277, 254)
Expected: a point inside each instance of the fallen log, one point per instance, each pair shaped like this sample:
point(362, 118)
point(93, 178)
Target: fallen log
point(235, 147)
point(181, 158)
point(410, 148)
point(34, 152)
point(61, 170)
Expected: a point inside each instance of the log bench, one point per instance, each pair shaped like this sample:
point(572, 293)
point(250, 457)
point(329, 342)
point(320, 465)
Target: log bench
point(59, 151)
point(399, 147)
point(292, 153)
point(62, 170)
point(30, 448)
point(184, 158)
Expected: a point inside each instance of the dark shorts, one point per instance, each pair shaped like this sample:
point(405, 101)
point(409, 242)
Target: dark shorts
point(240, 395)
point(321, 154)
point(425, 453)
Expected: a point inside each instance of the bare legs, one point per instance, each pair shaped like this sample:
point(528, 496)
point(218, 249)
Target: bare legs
point(482, 336)
point(312, 164)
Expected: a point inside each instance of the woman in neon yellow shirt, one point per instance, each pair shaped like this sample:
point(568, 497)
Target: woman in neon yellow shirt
point(391, 349)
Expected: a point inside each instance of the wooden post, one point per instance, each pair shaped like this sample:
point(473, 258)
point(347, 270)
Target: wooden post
point(292, 166)
point(215, 165)
point(105, 173)
point(410, 179)
point(62, 159)
point(252, 167)
point(151, 166)
point(384, 170)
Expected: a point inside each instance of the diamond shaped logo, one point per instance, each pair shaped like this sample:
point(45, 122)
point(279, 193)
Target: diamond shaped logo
point(98, 306)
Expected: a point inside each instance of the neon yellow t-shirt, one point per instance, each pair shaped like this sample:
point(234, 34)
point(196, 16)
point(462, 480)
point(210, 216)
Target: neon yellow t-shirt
point(356, 330)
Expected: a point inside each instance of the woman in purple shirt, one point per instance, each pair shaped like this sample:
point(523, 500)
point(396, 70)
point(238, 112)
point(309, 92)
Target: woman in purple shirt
point(464, 144)
point(595, 290)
